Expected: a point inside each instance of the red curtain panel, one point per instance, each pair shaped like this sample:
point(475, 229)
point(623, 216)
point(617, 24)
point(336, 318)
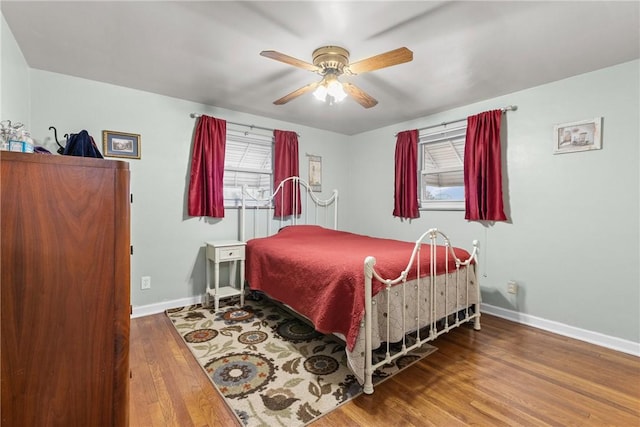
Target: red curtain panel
point(286, 165)
point(406, 175)
point(206, 196)
point(483, 169)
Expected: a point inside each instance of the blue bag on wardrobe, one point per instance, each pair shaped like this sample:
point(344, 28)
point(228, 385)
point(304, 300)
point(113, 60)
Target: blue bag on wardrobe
point(81, 145)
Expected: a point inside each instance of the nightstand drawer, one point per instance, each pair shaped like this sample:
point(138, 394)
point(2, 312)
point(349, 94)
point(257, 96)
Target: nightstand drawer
point(230, 253)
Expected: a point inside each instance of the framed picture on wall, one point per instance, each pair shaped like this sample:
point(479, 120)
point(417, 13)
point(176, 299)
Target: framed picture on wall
point(315, 173)
point(577, 136)
point(120, 144)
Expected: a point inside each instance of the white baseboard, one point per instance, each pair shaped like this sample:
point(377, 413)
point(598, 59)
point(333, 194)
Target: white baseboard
point(597, 338)
point(160, 307)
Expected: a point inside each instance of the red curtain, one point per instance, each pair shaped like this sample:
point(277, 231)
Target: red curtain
point(482, 168)
point(286, 165)
point(206, 196)
point(406, 182)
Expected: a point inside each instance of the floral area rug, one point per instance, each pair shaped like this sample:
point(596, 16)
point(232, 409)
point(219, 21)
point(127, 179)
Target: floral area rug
point(272, 368)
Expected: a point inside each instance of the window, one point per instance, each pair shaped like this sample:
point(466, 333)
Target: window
point(441, 160)
point(247, 161)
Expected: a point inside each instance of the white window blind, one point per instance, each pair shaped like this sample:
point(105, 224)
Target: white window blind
point(442, 168)
point(248, 161)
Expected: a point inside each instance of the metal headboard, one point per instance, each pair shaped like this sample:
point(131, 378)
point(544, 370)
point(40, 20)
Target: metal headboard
point(313, 209)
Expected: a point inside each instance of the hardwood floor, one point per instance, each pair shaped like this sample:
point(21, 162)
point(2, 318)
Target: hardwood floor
point(504, 375)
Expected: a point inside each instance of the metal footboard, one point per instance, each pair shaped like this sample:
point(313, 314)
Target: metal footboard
point(435, 325)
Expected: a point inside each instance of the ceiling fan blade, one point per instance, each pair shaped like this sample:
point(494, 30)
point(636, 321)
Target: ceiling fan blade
point(393, 57)
point(296, 93)
point(361, 97)
point(272, 54)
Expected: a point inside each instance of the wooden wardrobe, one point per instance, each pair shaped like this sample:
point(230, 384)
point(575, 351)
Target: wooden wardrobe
point(65, 293)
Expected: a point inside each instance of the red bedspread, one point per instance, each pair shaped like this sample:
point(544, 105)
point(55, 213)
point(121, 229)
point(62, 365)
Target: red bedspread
point(320, 272)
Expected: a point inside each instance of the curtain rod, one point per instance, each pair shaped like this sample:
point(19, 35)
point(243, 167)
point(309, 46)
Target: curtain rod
point(503, 109)
point(196, 115)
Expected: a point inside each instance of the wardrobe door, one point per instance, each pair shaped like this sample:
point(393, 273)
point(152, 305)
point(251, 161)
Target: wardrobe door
point(65, 291)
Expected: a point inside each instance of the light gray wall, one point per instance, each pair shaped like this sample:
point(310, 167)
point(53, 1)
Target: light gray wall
point(168, 245)
point(14, 79)
point(572, 241)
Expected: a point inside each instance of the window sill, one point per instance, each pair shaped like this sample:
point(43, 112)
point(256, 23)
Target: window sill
point(442, 206)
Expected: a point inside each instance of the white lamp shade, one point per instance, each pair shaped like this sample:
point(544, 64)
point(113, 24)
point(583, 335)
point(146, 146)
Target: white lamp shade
point(321, 92)
point(336, 91)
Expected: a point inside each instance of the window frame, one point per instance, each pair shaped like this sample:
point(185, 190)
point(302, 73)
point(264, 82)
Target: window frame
point(448, 134)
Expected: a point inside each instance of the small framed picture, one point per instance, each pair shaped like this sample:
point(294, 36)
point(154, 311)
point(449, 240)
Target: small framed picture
point(577, 136)
point(315, 173)
point(120, 144)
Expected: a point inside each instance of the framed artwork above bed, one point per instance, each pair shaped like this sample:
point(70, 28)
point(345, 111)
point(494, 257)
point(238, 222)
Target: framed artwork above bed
point(583, 135)
point(315, 173)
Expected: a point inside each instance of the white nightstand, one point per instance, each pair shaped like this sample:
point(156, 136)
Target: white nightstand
point(224, 251)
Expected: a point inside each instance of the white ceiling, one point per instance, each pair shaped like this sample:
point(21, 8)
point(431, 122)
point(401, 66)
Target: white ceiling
point(208, 52)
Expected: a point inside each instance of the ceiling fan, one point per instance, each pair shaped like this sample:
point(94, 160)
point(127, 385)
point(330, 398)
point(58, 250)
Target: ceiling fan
point(333, 61)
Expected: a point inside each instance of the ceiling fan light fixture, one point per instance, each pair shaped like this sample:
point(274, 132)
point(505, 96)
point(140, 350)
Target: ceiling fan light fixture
point(333, 61)
point(330, 87)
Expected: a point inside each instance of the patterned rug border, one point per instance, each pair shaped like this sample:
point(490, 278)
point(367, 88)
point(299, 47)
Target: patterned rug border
point(425, 351)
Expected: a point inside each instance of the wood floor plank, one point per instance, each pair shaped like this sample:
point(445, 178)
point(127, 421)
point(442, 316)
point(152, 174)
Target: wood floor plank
point(140, 386)
point(479, 391)
point(578, 391)
point(563, 394)
point(179, 378)
point(506, 374)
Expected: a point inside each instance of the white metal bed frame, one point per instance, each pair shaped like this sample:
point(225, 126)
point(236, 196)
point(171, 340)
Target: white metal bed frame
point(436, 327)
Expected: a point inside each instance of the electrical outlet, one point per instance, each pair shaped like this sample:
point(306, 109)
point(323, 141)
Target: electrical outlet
point(512, 287)
point(145, 282)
